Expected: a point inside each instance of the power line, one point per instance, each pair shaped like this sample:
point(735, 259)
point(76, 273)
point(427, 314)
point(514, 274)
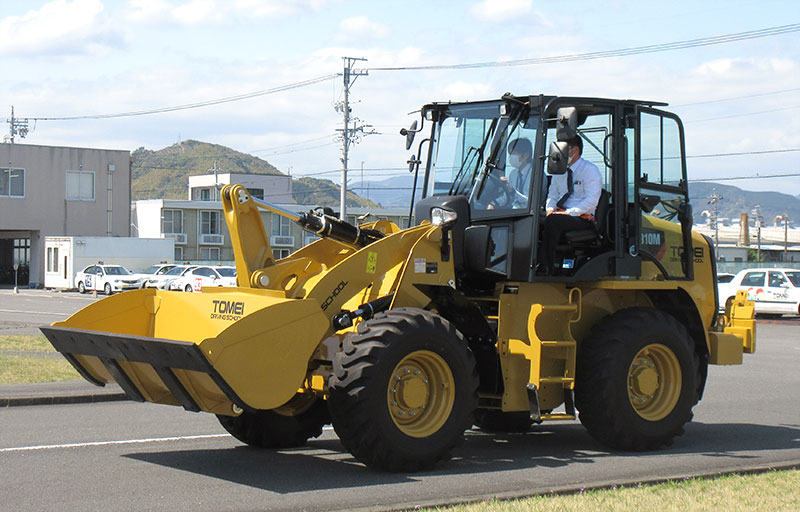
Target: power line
point(187, 106)
point(748, 96)
point(741, 115)
point(622, 52)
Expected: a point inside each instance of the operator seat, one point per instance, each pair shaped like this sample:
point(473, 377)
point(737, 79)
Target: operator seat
point(593, 237)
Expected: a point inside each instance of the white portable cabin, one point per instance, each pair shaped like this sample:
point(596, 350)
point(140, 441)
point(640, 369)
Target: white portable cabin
point(66, 255)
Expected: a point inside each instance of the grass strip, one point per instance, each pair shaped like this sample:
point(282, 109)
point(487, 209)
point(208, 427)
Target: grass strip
point(24, 342)
point(27, 370)
point(772, 490)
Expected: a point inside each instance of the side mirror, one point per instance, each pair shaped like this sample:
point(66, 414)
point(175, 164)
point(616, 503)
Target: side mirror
point(557, 158)
point(410, 133)
point(566, 123)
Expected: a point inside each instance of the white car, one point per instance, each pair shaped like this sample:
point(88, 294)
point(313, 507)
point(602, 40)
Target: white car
point(162, 280)
point(198, 277)
point(774, 290)
point(106, 278)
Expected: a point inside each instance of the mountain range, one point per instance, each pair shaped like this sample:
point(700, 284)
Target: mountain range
point(164, 174)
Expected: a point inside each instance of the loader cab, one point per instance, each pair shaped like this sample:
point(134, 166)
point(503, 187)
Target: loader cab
point(475, 169)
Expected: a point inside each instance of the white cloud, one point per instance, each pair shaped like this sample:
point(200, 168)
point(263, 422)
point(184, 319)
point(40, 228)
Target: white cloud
point(360, 28)
point(60, 27)
point(197, 12)
point(500, 10)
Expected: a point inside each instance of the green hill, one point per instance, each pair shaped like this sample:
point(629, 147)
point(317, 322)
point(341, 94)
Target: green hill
point(164, 174)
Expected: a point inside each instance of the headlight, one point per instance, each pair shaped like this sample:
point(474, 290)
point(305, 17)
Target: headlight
point(442, 217)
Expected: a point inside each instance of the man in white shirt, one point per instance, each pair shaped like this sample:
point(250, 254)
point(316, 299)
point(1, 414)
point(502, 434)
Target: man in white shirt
point(520, 157)
point(571, 202)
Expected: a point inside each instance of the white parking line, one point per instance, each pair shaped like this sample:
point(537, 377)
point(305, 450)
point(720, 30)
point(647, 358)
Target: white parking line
point(110, 443)
point(32, 312)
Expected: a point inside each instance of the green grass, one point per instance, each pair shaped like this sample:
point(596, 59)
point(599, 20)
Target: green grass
point(773, 491)
point(20, 342)
point(25, 370)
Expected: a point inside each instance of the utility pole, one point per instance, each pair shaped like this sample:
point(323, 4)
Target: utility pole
point(350, 134)
point(216, 182)
point(757, 212)
point(785, 219)
point(18, 126)
point(714, 199)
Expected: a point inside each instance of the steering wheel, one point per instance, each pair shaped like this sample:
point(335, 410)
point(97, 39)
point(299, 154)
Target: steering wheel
point(496, 193)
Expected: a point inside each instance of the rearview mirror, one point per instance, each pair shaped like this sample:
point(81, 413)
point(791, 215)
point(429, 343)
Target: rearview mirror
point(409, 134)
point(558, 158)
point(566, 123)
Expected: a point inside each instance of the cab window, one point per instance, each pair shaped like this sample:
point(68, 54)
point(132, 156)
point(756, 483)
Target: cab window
point(776, 279)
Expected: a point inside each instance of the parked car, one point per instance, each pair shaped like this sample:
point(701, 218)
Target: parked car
point(162, 280)
point(195, 279)
point(154, 271)
point(107, 278)
point(774, 290)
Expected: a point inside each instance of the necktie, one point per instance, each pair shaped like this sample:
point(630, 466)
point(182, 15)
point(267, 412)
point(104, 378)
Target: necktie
point(563, 201)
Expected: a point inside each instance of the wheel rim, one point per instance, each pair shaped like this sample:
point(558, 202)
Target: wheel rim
point(421, 393)
point(654, 382)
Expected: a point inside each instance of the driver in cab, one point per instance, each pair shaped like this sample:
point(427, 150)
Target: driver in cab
point(571, 203)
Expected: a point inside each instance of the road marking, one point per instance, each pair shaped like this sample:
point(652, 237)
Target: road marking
point(124, 441)
point(110, 443)
point(32, 312)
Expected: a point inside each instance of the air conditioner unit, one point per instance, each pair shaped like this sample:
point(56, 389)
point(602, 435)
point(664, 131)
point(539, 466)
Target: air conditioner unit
point(180, 238)
point(211, 239)
point(281, 241)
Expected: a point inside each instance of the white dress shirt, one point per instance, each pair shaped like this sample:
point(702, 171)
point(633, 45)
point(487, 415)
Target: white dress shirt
point(586, 186)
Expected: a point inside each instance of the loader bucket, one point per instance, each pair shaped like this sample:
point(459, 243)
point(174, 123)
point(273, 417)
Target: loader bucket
point(206, 351)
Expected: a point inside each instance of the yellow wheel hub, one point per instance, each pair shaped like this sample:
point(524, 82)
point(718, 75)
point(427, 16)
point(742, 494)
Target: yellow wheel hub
point(421, 393)
point(654, 382)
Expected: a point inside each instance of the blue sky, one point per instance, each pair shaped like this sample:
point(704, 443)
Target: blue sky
point(68, 58)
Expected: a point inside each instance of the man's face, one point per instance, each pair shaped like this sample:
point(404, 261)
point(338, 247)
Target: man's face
point(574, 154)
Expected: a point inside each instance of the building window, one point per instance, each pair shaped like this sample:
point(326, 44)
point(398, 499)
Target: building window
point(22, 251)
point(209, 253)
point(80, 185)
point(12, 182)
point(278, 254)
point(52, 259)
point(209, 223)
point(281, 226)
point(178, 253)
point(172, 221)
point(257, 193)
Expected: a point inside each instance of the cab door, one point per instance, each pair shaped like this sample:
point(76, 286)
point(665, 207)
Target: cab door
point(661, 193)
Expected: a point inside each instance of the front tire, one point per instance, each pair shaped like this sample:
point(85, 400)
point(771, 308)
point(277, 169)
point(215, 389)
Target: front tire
point(288, 426)
point(81, 287)
point(404, 390)
point(638, 379)
point(107, 289)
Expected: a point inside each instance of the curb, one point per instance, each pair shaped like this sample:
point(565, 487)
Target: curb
point(63, 399)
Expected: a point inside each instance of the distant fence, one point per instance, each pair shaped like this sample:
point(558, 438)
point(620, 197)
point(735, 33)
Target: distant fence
point(732, 267)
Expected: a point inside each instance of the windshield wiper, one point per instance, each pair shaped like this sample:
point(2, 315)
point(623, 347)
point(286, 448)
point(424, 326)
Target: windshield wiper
point(460, 175)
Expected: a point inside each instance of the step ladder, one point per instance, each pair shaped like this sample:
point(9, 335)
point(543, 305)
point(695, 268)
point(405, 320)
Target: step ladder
point(551, 352)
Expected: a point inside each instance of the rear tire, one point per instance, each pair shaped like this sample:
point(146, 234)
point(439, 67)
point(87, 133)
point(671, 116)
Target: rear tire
point(403, 390)
point(188, 288)
point(637, 380)
point(81, 287)
point(288, 426)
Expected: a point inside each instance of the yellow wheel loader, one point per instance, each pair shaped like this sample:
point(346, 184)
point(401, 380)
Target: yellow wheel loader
point(404, 338)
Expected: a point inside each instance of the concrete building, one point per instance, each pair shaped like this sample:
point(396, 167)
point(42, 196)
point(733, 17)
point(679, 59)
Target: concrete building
point(201, 234)
point(267, 187)
point(46, 190)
